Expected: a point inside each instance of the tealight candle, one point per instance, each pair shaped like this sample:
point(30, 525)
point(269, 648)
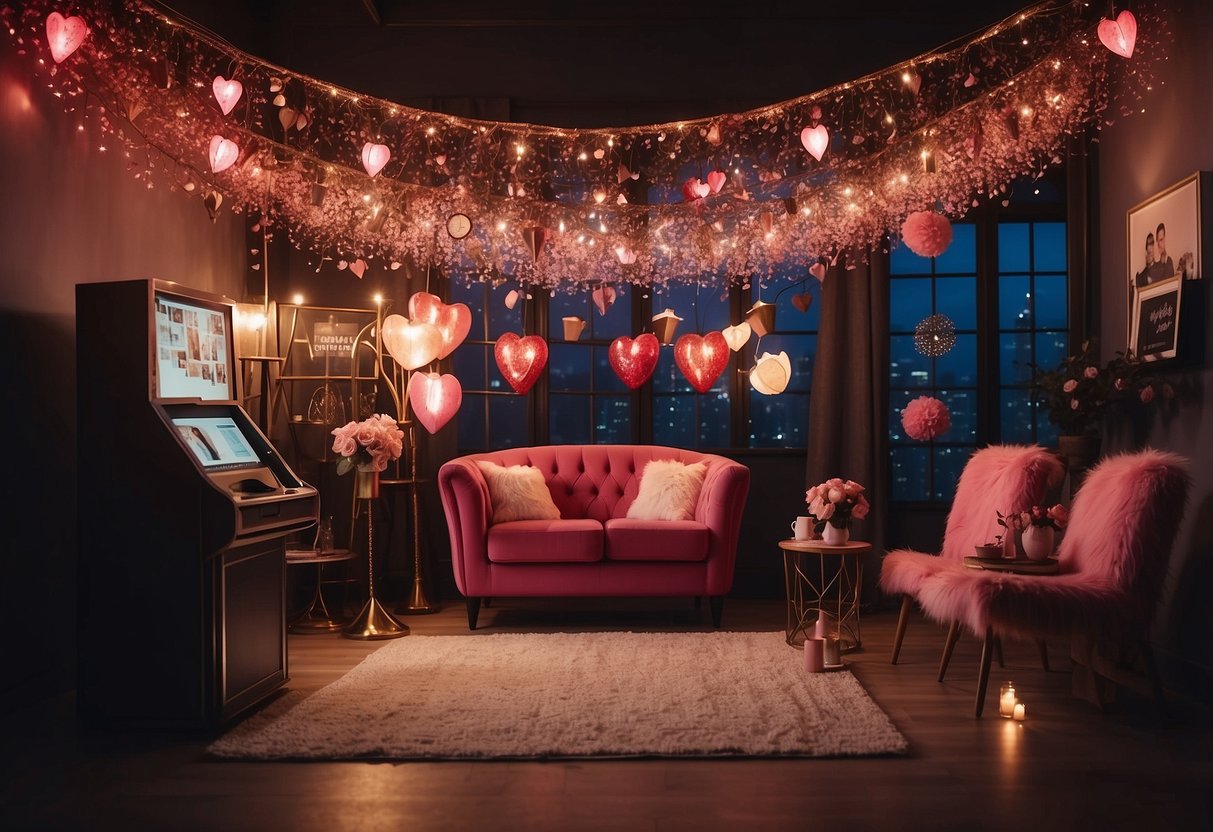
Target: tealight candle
point(1007, 700)
point(1021, 712)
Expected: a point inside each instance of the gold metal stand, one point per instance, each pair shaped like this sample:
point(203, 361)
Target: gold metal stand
point(418, 603)
point(373, 622)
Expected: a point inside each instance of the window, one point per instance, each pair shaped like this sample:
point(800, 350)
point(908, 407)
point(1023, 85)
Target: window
point(783, 421)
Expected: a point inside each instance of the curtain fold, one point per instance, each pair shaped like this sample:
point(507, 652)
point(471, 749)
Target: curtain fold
point(848, 404)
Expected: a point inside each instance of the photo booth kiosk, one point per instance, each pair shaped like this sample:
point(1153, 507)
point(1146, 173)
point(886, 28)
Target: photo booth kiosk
point(183, 508)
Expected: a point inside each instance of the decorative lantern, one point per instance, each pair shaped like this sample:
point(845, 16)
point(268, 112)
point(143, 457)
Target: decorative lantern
point(736, 336)
point(521, 360)
point(604, 298)
point(761, 318)
point(435, 398)
point(64, 35)
point(453, 320)
point(665, 324)
point(935, 335)
point(1120, 34)
point(223, 153)
point(815, 140)
point(412, 345)
point(573, 327)
point(374, 157)
point(227, 93)
point(634, 359)
point(771, 374)
point(702, 359)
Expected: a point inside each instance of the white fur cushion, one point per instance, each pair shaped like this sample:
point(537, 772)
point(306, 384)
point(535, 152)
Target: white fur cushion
point(518, 493)
point(669, 490)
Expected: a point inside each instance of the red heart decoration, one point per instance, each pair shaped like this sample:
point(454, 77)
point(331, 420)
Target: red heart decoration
point(227, 93)
point(693, 189)
point(1120, 34)
point(716, 180)
point(802, 301)
point(634, 360)
point(815, 140)
point(435, 398)
point(64, 35)
point(454, 320)
point(521, 360)
point(702, 358)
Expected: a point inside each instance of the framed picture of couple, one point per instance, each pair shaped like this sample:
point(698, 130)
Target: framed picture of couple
point(1164, 258)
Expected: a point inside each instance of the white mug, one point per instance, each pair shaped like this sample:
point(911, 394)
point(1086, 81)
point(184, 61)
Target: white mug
point(802, 528)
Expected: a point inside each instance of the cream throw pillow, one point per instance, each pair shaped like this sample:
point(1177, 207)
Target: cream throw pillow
point(669, 490)
point(518, 493)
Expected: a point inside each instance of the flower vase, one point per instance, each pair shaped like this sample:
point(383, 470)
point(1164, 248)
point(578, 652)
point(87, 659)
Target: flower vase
point(833, 535)
point(1038, 542)
point(366, 484)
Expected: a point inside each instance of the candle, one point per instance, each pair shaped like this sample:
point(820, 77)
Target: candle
point(819, 630)
point(1021, 712)
point(814, 655)
point(1007, 700)
point(833, 651)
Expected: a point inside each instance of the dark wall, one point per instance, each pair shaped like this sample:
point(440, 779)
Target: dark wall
point(71, 214)
point(1138, 157)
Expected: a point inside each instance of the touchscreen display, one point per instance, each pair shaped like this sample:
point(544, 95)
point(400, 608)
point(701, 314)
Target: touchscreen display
point(216, 441)
point(193, 350)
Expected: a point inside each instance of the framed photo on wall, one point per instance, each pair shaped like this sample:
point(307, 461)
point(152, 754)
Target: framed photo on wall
point(1164, 239)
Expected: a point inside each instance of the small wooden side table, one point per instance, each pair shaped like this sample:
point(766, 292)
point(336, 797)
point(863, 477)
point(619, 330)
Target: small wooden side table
point(813, 591)
point(1048, 566)
point(316, 619)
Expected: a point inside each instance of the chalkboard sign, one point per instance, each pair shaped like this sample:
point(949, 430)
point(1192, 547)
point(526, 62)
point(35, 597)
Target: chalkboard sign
point(1155, 319)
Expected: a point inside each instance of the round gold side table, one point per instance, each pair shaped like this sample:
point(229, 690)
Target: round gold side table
point(812, 588)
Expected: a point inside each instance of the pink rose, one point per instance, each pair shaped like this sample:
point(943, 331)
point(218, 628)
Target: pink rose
point(861, 509)
point(1147, 394)
point(1091, 372)
point(344, 445)
point(1069, 386)
point(835, 482)
point(835, 495)
point(826, 512)
point(812, 494)
point(1060, 515)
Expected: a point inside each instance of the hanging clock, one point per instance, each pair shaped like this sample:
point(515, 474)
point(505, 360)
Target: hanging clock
point(458, 226)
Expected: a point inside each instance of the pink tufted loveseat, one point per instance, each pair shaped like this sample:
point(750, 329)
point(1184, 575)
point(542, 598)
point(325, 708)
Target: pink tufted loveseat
point(593, 549)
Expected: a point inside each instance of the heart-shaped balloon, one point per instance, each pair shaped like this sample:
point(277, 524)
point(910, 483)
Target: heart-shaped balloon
point(412, 345)
point(818, 270)
point(771, 374)
point(223, 153)
point(1120, 34)
point(64, 35)
point(802, 301)
point(716, 180)
point(535, 236)
point(604, 298)
point(702, 358)
point(737, 336)
point(453, 320)
point(435, 398)
point(227, 93)
point(634, 360)
point(521, 360)
point(374, 157)
point(815, 140)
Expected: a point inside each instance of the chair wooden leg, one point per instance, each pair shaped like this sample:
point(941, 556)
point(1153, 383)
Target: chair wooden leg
point(473, 605)
point(948, 644)
point(983, 674)
point(1044, 653)
point(903, 618)
point(998, 651)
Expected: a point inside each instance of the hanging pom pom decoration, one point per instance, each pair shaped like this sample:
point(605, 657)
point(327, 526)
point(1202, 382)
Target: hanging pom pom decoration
point(701, 359)
point(412, 345)
point(453, 321)
point(521, 360)
point(1119, 35)
point(925, 418)
point(435, 398)
point(223, 153)
point(634, 359)
point(771, 374)
point(927, 233)
point(374, 157)
point(65, 34)
point(228, 93)
point(935, 335)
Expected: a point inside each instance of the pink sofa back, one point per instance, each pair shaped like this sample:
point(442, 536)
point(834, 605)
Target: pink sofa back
point(599, 482)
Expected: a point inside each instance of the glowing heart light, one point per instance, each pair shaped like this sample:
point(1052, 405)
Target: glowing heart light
point(223, 153)
point(374, 157)
point(771, 374)
point(64, 35)
point(634, 359)
point(604, 298)
point(412, 345)
point(737, 336)
point(1119, 35)
point(815, 140)
point(521, 360)
point(435, 398)
point(227, 93)
point(453, 321)
point(716, 180)
point(694, 189)
point(702, 359)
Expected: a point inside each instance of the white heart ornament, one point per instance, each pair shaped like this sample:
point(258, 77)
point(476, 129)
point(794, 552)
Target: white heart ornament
point(227, 93)
point(374, 157)
point(815, 140)
point(737, 336)
point(604, 298)
point(223, 153)
point(64, 35)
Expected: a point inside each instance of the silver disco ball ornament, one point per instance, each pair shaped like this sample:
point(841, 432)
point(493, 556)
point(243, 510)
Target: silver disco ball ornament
point(935, 335)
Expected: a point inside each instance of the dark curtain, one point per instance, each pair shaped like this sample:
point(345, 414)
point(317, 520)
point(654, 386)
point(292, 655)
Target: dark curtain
point(848, 411)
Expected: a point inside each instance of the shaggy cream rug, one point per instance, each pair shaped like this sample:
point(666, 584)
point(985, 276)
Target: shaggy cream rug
point(575, 695)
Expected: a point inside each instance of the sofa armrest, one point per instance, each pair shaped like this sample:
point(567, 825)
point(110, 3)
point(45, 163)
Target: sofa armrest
point(465, 501)
point(721, 503)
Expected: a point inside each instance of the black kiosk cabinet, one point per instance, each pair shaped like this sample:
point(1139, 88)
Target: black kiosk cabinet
point(183, 508)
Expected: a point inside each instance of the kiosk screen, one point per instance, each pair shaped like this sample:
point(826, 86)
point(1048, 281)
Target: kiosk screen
point(217, 441)
point(193, 349)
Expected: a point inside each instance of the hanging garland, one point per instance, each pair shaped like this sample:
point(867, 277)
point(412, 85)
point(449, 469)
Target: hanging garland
point(355, 177)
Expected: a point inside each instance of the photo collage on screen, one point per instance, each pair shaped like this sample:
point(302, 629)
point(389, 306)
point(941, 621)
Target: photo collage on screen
point(192, 345)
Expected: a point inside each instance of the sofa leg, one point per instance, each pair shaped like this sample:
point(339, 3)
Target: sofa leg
point(716, 602)
point(473, 605)
point(902, 619)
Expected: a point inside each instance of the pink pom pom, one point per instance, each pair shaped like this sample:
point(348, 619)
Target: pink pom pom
point(926, 233)
point(925, 418)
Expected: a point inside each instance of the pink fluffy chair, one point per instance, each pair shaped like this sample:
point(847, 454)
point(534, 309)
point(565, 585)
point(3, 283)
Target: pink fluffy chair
point(999, 478)
point(1112, 559)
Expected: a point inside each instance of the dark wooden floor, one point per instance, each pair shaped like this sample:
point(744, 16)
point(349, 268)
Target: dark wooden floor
point(1068, 767)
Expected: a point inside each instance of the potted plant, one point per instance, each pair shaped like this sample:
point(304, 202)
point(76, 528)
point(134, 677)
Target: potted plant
point(833, 504)
point(1040, 525)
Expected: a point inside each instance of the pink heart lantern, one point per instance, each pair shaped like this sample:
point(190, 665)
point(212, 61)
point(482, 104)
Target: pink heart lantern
point(737, 336)
point(223, 153)
point(802, 301)
point(535, 236)
point(815, 140)
point(604, 298)
point(521, 360)
point(64, 35)
point(435, 398)
point(702, 359)
point(1119, 35)
point(634, 360)
point(454, 321)
point(374, 157)
point(693, 189)
point(227, 93)
point(716, 181)
point(358, 267)
point(412, 345)
point(818, 270)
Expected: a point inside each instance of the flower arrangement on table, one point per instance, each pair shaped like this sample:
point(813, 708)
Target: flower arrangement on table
point(368, 445)
point(836, 502)
point(1037, 524)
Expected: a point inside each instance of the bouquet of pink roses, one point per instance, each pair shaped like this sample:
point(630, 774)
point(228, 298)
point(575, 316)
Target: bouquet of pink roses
point(837, 502)
point(369, 444)
point(1056, 516)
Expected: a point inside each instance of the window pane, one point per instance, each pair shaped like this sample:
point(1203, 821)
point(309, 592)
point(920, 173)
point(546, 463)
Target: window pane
point(1050, 349)
point(1016, 416)
point(667, 378)
point(909, 475)
point(961, 255)
point(962, 405)
point(956, 297)
point(904, 261)
point(502, 319)
point(1049, 244)
point(907, 367)
point(948, 464)
point(617, 320)
point(715, 419)
point(898, 399)
point(569, 419)
point(612, 420)
point(778, 421)
point(569, 367)
point(472, 434)
point(507, 422)
point(1050, 303)
point(1046, 431)
point(958, 367)
point(1014, 303)
point(909, 302)
point(674, 421)
point(1014, 356)
point(470, 367)
point(605, 379)
point(1013, 247)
